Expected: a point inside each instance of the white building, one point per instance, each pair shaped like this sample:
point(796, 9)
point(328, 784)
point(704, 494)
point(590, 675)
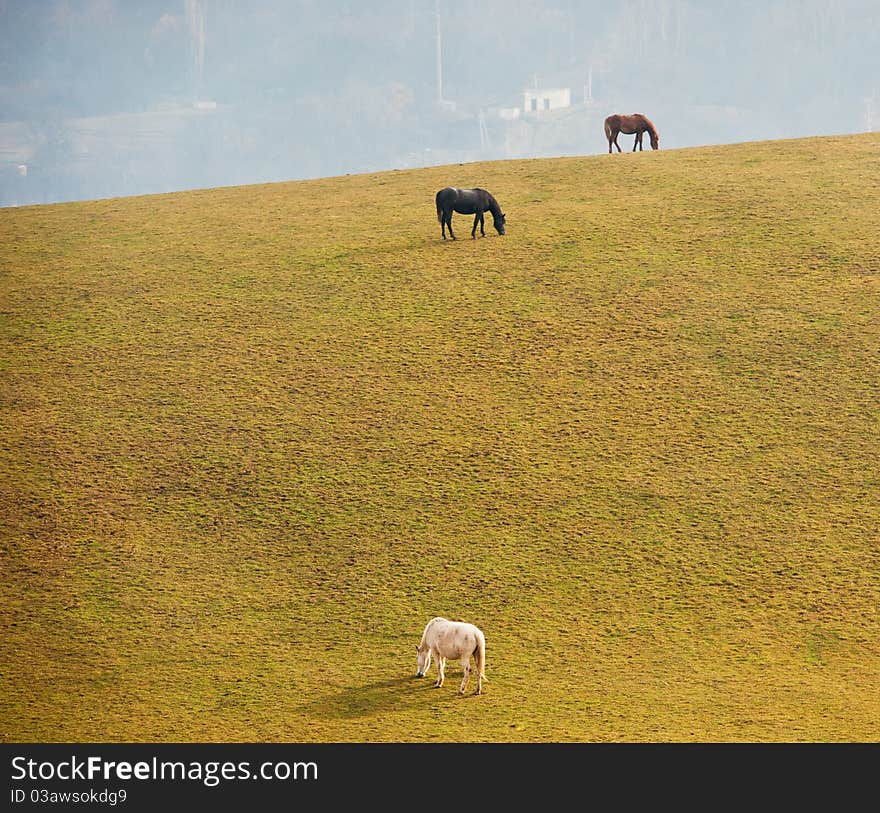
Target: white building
point(538, 100)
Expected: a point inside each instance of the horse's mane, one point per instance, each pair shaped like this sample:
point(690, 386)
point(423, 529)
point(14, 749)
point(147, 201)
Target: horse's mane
point(493, 204)
point(428, 626)
point(648, 123)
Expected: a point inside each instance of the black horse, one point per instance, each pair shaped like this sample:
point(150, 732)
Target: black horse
point(467, 202)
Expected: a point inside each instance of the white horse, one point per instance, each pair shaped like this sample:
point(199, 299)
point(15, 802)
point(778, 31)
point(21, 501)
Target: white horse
point(444, 639)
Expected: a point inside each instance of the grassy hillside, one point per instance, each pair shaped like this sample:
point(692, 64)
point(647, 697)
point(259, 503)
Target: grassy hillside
point(254, 438)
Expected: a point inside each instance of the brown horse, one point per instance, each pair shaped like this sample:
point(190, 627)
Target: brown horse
point(636, 123)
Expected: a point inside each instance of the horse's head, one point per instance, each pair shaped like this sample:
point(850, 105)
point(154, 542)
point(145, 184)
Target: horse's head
point(499, 223)
point(655, 140)
point(424, 659)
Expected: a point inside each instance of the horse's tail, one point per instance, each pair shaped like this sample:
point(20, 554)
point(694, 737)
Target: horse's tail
point(439, 207)
point(607, 129)
point(480, 656)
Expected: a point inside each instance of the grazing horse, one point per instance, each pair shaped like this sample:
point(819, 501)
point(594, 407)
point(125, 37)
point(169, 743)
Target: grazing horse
point(636, 123)
point(452, 639)
point(467, 202)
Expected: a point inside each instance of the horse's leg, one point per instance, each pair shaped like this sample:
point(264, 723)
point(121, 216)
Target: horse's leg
point(443, 224)
point(482, 223)
point(466, 664)
point(441, 672)
point(449, 224)
point(616, 143)
point(474, 229)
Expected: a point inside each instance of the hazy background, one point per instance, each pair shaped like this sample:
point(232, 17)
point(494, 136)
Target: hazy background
point(102, 98)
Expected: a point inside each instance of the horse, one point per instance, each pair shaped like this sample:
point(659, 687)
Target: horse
point(467, 202)
point(636, 123)
point(452, 639)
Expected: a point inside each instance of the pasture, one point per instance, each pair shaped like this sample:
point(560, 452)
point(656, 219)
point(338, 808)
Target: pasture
point(254, 438)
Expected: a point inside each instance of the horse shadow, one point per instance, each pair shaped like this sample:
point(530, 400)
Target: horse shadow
point(370, 699)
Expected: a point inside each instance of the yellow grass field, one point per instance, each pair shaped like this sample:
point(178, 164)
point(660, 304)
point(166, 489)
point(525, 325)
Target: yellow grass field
point(254, 438)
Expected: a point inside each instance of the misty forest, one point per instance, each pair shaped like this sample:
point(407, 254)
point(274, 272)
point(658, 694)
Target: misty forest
point(105, 98)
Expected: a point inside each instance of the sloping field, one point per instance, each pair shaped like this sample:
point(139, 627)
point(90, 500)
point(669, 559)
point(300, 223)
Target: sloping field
point(254, 438)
